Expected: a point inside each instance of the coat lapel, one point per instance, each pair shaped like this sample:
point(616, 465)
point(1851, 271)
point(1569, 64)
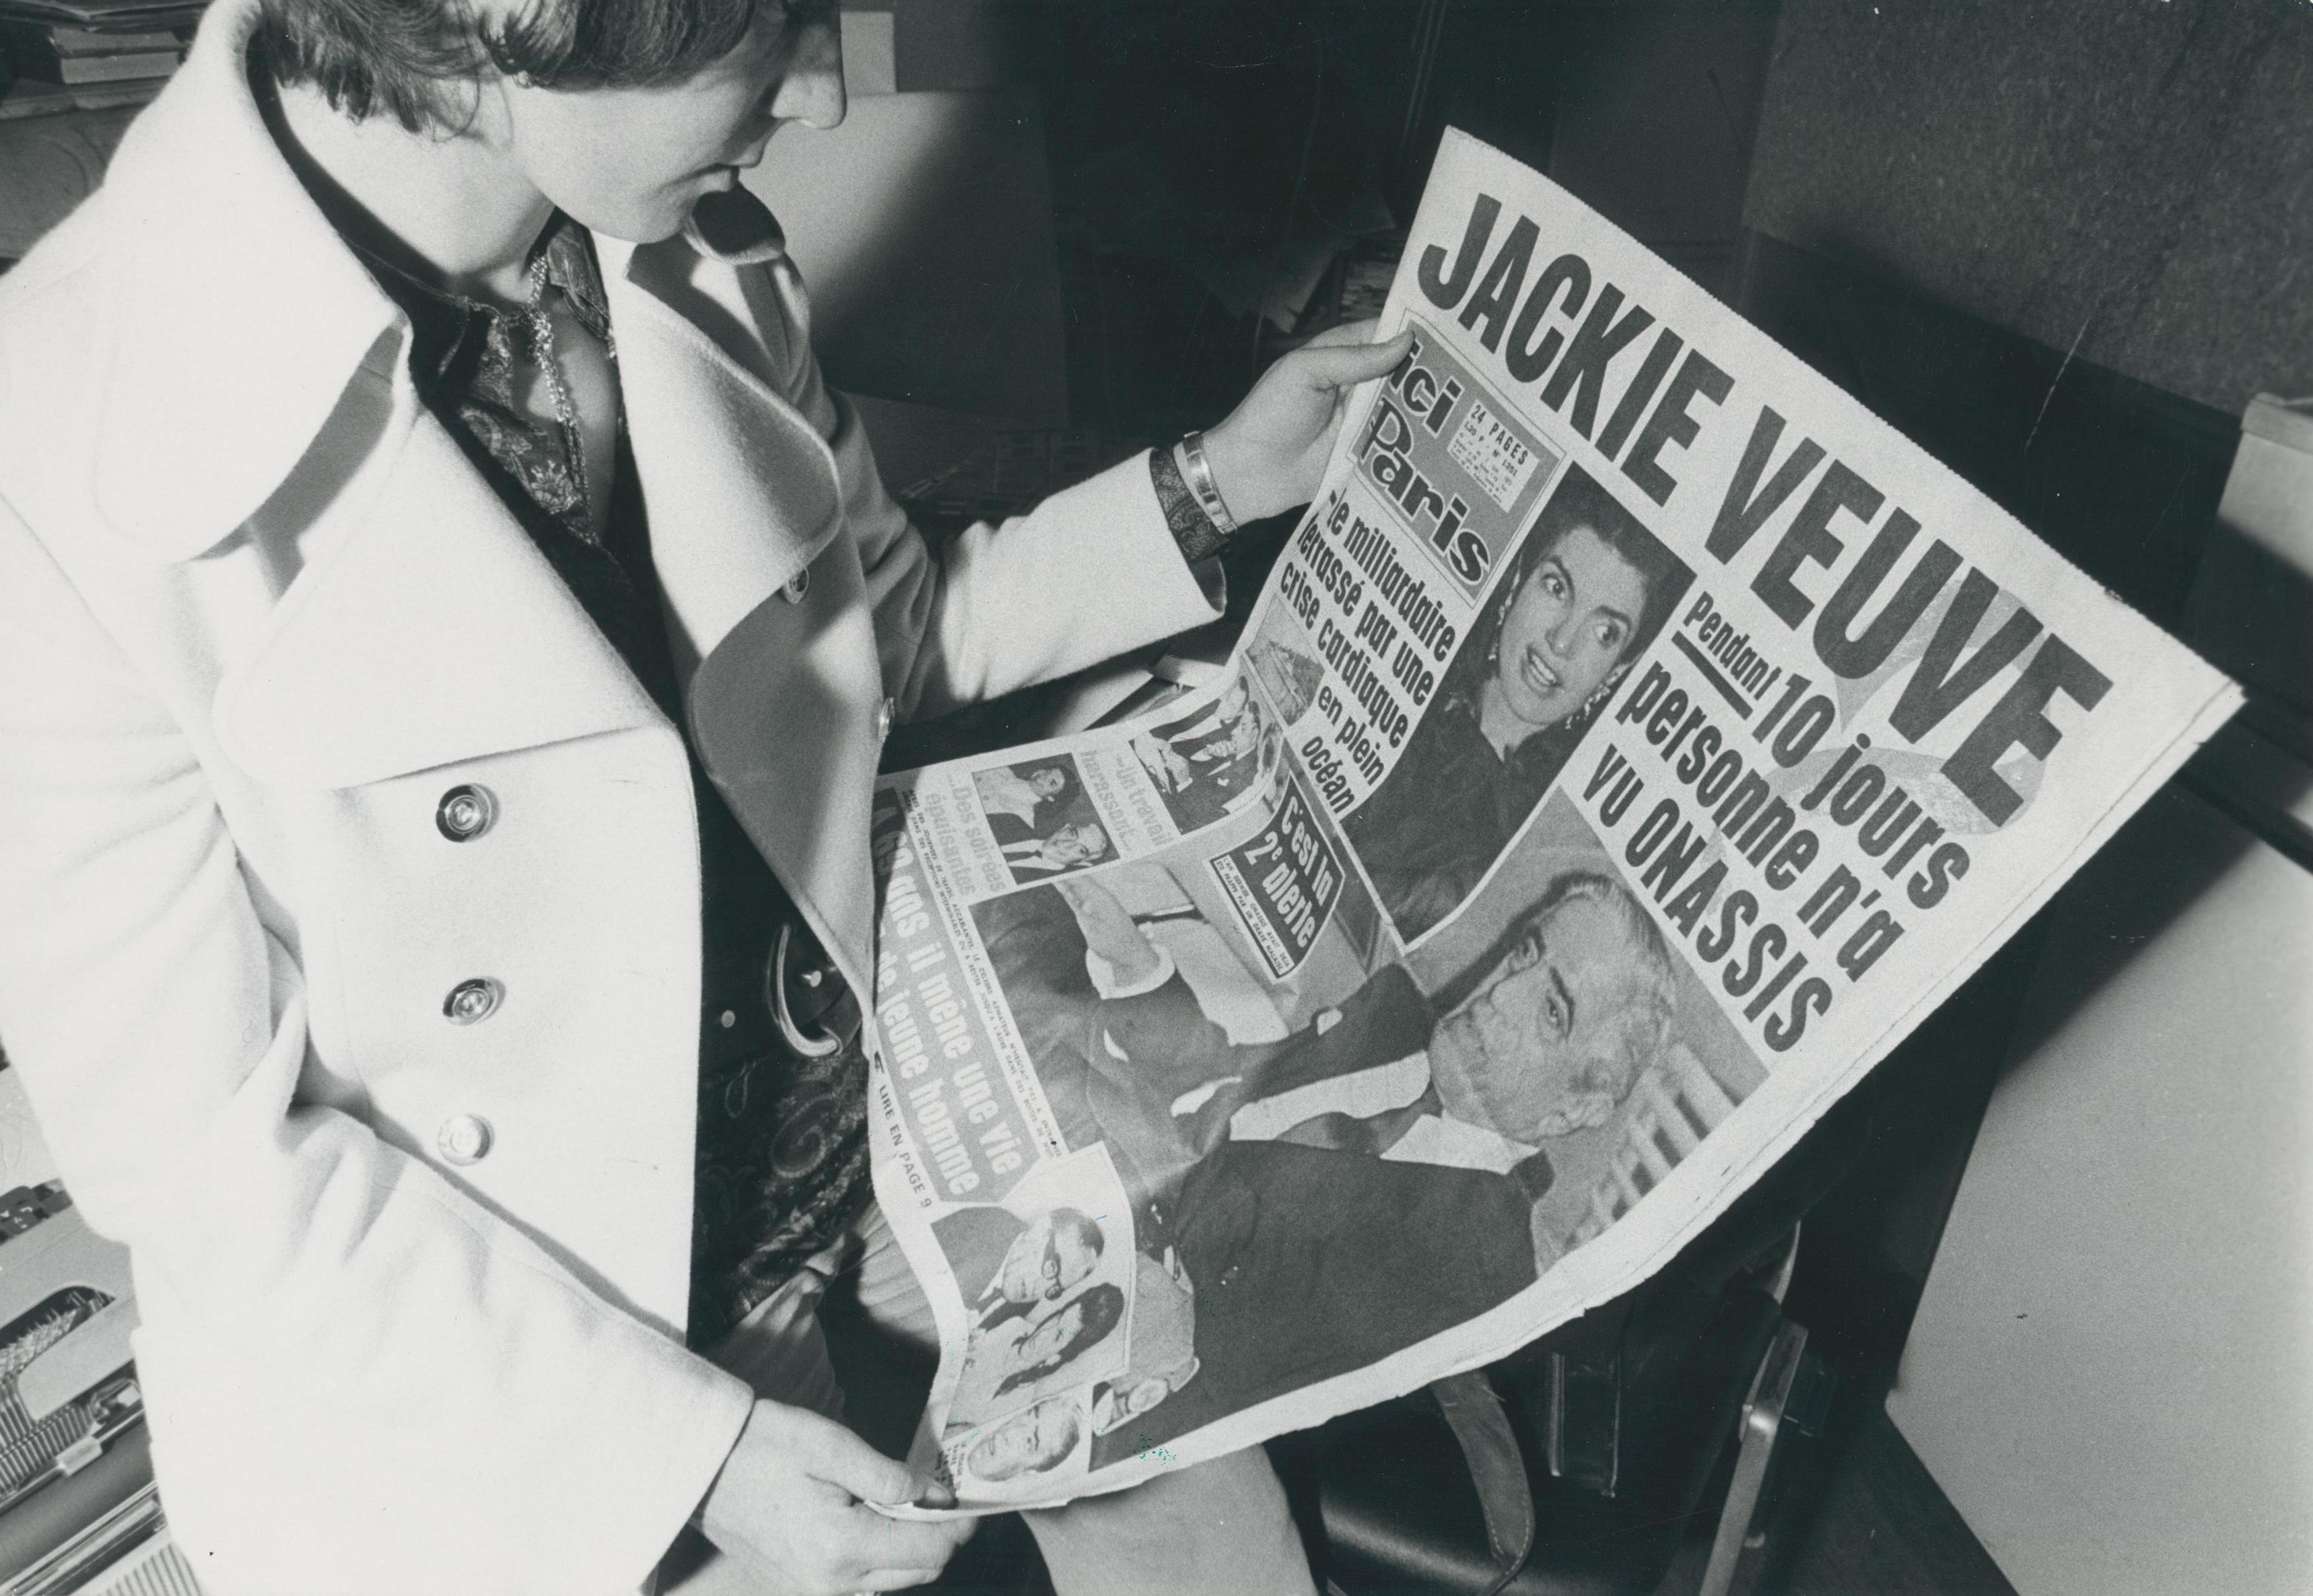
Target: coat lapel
point(778, 712)
point(744, 495)
point(742, 489)
point(234, 316)
point(430, 631)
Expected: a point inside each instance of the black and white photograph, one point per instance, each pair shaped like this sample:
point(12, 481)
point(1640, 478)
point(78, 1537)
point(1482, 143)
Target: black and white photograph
point(1048, 1280)
point(1149, 961)
point(1280, 661)
point(1460, 1123)
point(1041, 818)
point(1215, 759)
point(1585, 591)
point(1368, 798)
point(1021, 800)
point(1615, 1133)
point(1069, 1317)
point(1025, 1447)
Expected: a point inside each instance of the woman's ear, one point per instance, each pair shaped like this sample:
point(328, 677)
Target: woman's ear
point(1604, 691)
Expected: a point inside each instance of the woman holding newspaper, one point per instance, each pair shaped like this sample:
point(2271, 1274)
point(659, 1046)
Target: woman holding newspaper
point(445, 644)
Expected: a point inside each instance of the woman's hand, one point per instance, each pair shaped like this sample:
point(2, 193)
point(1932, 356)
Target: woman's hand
point(1270, 453)
point(790, 1509)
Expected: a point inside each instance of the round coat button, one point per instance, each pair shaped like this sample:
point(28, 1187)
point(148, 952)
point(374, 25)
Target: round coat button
point(472, 1001)
point(797, 586)
point(463, 1139)
point(883, 713)
point(465, 813)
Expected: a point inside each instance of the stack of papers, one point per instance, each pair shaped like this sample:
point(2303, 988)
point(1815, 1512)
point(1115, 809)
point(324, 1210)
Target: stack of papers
point(68, 55)
point(109, 16)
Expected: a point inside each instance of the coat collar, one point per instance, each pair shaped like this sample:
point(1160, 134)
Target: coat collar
point(237, 316)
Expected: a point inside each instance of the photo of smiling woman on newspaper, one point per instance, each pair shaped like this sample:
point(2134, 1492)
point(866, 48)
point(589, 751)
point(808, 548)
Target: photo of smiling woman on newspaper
point(1585, 595)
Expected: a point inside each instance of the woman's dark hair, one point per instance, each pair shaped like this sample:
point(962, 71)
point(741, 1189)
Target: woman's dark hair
point(1579, 501)
point(411, 59)
point(1070, 786)
point(1104, 1308)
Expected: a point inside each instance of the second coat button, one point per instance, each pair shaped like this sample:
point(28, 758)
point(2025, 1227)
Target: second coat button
point(463, 1139)
point(465, 813)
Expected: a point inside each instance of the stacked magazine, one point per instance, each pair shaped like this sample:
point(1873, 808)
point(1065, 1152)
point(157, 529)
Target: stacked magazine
point(65, 55)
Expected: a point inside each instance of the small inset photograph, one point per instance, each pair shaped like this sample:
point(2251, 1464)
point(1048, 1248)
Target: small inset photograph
point(1046, 1277)
point(1020, 1456)
point(1576, 607)
point(1007, 1267)
point(1287, 671)
point(1041, 818)
point(1214, 761)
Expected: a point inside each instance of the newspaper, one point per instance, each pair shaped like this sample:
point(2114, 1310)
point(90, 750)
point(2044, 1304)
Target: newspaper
point(1634, 741)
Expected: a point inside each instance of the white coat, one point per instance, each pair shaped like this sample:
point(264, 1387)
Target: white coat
point(258, 614)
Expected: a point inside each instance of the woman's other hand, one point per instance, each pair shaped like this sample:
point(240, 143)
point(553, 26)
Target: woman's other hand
point(791, 1510)
point(1271, 453)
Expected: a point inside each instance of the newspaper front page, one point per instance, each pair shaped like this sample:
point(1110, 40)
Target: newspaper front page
point(1635, 740)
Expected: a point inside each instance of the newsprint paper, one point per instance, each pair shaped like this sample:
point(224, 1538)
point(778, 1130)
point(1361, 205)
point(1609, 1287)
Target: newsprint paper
point(1635, 740)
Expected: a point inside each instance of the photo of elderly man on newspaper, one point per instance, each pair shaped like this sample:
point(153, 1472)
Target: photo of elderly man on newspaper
point(1380, 1161)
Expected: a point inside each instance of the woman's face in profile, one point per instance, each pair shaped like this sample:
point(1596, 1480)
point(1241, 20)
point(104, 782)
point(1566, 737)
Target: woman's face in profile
point(1568, 628)
point(633, 162)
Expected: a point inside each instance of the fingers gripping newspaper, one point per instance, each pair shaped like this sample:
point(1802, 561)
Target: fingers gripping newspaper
point(1635, 740)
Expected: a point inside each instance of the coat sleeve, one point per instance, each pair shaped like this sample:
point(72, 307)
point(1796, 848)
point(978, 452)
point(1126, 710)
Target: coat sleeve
point(159, 1027)
point(1089, 573)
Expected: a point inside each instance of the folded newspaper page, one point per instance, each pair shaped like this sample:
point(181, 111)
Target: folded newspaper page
point(1635, 740)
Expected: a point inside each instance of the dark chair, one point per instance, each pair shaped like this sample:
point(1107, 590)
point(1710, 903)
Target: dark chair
point(1577, 1466)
